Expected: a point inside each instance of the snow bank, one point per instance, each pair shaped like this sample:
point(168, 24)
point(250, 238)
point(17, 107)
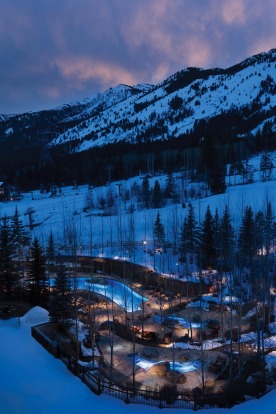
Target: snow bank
point(35, 316)
point(270, 360)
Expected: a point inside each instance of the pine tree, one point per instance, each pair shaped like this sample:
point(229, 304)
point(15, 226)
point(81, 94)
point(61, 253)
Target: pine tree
point(51, 254)
point(212, 162)
point(246, 235)
point(266, 166)
point(189, 237)
point(169, 186)
point(259, 240)
point(157, 195)
point(62, 282)
point(227, 242)
point(158, 231)
point(146, 192)
point(9, 272)
point(37, 282)
point(217, 232)
point(20, 236)
point(208, 250)
point(59, 308)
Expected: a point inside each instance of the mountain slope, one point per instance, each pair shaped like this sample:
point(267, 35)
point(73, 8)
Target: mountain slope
point(173, 107)
point(169, 108)
point(233, 105)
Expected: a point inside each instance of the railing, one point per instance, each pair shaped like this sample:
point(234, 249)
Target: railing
point(168, 397)
point(100, 385)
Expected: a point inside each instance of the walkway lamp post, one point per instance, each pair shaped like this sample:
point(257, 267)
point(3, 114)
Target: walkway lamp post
point(145, 251)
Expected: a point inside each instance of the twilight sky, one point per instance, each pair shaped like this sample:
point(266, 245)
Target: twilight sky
point(55, 51)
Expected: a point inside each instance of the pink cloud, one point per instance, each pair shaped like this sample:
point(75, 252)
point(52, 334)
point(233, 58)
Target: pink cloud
point(263, 45)
point(52, 92)
point(80, 70)
point(67, 47)
point(233, 11)
point(198, 53)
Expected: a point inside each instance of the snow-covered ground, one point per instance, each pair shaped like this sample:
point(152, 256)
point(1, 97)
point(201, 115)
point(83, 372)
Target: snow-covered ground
point(34, 382)
point(74, 216)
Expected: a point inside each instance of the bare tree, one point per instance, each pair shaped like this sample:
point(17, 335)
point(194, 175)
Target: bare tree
point(110, 320)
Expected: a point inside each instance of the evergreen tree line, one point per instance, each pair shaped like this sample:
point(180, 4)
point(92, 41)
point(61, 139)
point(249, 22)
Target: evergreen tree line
point(155, 197)
point(215, 243)
point(23, 270)
point(22, 262)
point(210, 146)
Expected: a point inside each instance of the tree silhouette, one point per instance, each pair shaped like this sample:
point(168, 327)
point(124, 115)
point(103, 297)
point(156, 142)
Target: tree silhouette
point(37, 282)
point(158, 231)
point(51, 254)
point(226, 243)
point(246, 235)
point(208, 250)
point(59, 309)
point(157, 195)
point(20, 236)
point(189, 236)
point(9, 275)
point(146, 192)
point(212, 164)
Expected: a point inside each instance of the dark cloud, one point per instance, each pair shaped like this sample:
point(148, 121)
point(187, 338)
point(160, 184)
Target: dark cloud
point(53, 52)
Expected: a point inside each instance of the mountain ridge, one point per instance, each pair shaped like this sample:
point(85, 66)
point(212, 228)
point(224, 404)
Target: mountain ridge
point(235, 103)
point(192, 84)
point(193, 90)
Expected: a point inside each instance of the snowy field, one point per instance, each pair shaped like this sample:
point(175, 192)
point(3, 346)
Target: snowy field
point(34, 382)
point(75, 219)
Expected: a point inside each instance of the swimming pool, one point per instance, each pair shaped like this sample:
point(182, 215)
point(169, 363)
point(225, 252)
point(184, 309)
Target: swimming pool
point(181, 367)
point(114, 290)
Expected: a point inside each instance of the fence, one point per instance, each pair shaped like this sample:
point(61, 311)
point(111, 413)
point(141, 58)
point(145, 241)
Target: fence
point(168, 397)
point(100, 385)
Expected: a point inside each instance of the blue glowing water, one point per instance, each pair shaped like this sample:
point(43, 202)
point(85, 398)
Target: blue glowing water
point(112, 289)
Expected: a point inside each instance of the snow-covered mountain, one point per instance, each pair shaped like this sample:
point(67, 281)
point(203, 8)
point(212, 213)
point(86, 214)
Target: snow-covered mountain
point(174, 107)
point(239, 102)
point(151, 112)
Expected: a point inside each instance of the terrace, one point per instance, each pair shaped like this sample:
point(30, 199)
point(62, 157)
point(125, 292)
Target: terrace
point(138, 333)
